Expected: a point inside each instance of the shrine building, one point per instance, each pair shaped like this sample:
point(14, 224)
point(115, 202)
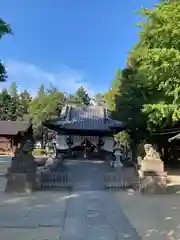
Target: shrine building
point(87, 128)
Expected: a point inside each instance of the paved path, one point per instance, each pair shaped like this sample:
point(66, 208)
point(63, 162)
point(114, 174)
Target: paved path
point(96, 215)
point(86, 213)
point(155, 217)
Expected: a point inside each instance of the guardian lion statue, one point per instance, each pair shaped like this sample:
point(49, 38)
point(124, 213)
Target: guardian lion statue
point(151, 152)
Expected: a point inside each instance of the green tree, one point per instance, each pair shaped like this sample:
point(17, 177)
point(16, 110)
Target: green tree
point(14, 107)
point(148, 94)
point(5, 102)
point(24, 101)
point(4, 29)
point(157, 56)
point(82, 96)
point(110, 96)
point(47, 104)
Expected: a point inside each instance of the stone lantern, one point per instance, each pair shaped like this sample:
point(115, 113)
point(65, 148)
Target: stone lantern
point(118, 157)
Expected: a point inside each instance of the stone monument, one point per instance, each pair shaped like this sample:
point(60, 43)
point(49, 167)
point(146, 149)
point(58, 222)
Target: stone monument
point(21, 176)
point(151, 172)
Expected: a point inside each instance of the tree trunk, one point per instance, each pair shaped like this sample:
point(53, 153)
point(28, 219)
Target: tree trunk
point(42, 138)
point(134, 152)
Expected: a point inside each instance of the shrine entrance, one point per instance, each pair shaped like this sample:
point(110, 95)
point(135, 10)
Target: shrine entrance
point(86, 147)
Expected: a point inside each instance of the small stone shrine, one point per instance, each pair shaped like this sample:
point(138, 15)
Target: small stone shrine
point(151, 172)
point(21, 176)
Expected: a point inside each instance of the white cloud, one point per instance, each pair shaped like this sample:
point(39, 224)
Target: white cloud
point(29, 76)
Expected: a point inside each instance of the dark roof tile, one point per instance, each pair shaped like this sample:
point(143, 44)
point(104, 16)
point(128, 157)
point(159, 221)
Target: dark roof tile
point(13, 127)
point(85, 118)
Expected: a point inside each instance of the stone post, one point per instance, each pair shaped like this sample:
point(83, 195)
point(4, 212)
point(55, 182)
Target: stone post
point(21, 176)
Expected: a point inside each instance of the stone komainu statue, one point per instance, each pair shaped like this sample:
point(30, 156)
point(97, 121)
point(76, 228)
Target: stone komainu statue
point(151, 152)
point(151, 172)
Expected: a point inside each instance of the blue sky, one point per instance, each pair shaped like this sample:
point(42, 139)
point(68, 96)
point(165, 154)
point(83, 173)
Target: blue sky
point(68, 42)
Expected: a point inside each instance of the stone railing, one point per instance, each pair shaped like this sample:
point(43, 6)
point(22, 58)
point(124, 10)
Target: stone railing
point(46, 180)
point(123, 178)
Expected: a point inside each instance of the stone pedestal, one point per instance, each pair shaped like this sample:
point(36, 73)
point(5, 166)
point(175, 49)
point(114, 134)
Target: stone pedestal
point(21, 176)
point(153, 184)
point(20, 183)
point(151, 173)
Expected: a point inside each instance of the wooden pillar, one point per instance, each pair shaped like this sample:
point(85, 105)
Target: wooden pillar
point(12, 145)
point(98, 146)
point(69, 143)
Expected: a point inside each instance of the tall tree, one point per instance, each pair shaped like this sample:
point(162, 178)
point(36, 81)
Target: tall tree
point(110, 96)
point(14, 107)
point(157, 55)
point(5, 102)
point(47, 104)
point(82, 96)
point(13, 89)
point(4, 29)
point(24, 100)
point(148, 95)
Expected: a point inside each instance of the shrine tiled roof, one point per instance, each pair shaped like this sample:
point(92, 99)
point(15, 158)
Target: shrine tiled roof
point(90, 118)
point(12, 128)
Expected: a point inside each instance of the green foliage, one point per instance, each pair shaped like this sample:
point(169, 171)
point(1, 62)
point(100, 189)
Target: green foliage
point(161, 28)
point(158, 59)
point(13, 106)
point(16, 105)
point(169, 1)
point(5, 103)
point(124, 138)
point(147, 92)
point(47, 104)
point(4, 29)
point(82, 96)
point(24, 100)
point(110, 96)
